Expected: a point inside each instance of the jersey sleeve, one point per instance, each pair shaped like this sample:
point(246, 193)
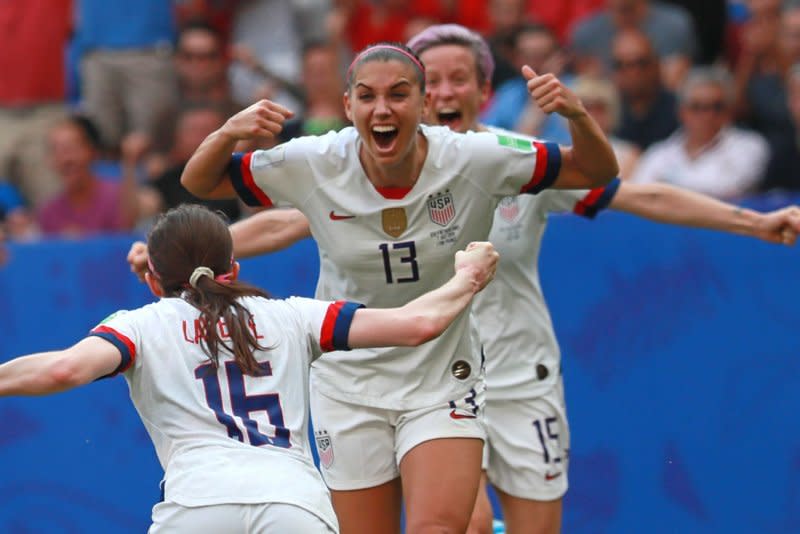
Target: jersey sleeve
point(281, 175)
point(120, 330)
point(585, 202)
point(509, 165)
point(327, 323)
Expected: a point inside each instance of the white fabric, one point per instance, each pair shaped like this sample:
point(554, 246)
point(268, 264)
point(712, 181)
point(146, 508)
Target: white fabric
point(528, 446)
point(323, 177)
point(729, 167)
point(172, 388)
point(362, 446)
point(171, 518)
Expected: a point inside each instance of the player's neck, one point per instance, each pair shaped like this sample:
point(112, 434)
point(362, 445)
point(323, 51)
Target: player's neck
point(404, 173)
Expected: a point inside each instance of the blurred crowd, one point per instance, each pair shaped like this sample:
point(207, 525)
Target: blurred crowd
point(98, 119)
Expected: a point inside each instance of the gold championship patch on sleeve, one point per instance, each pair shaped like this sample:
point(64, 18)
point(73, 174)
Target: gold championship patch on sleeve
point(517, 143)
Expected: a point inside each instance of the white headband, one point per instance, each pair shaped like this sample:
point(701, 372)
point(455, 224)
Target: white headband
point(197, 273)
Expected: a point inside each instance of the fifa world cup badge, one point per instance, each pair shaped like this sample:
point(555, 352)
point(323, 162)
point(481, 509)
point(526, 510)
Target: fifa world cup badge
point(324, 448)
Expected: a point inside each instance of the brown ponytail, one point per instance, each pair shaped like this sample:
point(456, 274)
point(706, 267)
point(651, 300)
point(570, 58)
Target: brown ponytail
point(192, 236)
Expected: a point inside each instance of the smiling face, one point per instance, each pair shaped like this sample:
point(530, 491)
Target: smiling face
point(452, 81)
point(386, 104)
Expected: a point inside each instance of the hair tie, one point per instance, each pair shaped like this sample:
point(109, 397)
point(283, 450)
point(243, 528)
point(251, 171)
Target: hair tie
point(197, 273)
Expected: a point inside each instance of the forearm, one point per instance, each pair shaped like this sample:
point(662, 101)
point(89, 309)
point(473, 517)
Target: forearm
point(668, 204)
point(205, 174)
point(268, 231)
point(419, 321)
point(591, 152)
point(35, 374)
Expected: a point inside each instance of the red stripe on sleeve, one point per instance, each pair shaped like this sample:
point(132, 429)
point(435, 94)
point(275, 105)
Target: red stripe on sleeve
point(250, 183)
point(103, 329)
point(588, 201)
point(328, 324)
point(540, 169)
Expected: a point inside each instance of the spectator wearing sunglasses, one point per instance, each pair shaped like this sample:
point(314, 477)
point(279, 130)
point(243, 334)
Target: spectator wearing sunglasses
point(647, 107)
point(707, 154)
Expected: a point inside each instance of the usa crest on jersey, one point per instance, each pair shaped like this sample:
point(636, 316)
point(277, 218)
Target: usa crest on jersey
point(324, 447)
point(508, 208)
point(441, 208)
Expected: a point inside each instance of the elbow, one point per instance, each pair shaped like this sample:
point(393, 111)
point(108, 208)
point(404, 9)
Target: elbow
point(65, 374)
point(425, 329)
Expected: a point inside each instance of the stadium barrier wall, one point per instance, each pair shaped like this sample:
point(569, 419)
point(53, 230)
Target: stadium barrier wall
point(680, 355)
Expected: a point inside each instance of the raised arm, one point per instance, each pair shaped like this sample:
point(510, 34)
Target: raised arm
point(205, 175)
point(427, 316)
point(268, 231)
point(668, 204)
point(53, 372)
point(590, 161)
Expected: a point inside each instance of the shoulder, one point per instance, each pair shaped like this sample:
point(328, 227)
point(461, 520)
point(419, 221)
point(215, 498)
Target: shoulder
point(741, 138)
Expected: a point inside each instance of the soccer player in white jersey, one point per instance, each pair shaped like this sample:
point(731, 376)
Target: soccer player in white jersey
point(388, 200)
point(523, 355)
point(219, 375)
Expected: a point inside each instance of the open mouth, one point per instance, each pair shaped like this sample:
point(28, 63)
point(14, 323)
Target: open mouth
point(448, 116)
point(384, 136)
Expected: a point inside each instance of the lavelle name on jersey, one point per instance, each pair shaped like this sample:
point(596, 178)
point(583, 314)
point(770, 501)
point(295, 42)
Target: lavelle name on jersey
point(197, 331)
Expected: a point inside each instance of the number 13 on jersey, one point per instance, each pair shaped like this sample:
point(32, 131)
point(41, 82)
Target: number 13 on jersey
point(403, 253)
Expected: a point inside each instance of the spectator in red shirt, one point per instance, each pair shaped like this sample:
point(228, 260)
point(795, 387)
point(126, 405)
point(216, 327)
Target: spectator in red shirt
point(87, 204)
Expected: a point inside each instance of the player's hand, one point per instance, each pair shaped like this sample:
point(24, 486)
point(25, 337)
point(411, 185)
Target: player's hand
point(137, 259)
point(480, 261)
point(553, 96)
point(264, 119)
point(780, 226)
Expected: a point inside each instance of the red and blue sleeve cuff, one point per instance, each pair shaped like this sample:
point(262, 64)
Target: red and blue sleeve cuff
point(597, 199)
point(336, 325)
point(548, 165)
point(123, 343)
point(242, 179)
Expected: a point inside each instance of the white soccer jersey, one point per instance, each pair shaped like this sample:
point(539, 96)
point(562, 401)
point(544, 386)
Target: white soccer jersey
point(385, 247)
point(522, 354)
point(223, 437)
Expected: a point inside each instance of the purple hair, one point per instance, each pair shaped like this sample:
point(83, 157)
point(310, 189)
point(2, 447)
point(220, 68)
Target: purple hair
point(455, 34)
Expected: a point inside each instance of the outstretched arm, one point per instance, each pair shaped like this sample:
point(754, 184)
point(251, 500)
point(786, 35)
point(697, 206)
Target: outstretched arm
point(668, 204)
point(205, 175)
point(427, 316)
point(590, 162)
point(268, 231)
point(53, 372)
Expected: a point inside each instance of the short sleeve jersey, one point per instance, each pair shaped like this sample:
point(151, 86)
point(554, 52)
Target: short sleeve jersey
point(522, 354)
point(222, 436)
point(385, 247)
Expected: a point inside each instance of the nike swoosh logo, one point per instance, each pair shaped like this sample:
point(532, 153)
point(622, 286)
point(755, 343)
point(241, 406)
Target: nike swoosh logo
point(455, 415)
point(552, 476)
point(335, 217)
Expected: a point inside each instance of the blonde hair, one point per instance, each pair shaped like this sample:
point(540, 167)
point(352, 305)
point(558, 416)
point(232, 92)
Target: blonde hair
point(588, 88)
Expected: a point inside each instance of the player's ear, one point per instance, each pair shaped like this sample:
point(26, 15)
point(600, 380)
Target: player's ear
point(235, 270)
point(154, 285)
point(346, 101)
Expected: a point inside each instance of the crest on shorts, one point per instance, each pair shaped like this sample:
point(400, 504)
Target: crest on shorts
point(324, 448)
point(508, 209)
point(441, 208)
point(394, 221)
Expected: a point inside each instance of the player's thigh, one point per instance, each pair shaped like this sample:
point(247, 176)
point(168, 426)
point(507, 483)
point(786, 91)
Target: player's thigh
point(440, 450)
point(356, 448)
point(480, 522)
point(369, 510)
point(172, 518)
point(286, 519)
point(526, 516)
point(528, 442)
